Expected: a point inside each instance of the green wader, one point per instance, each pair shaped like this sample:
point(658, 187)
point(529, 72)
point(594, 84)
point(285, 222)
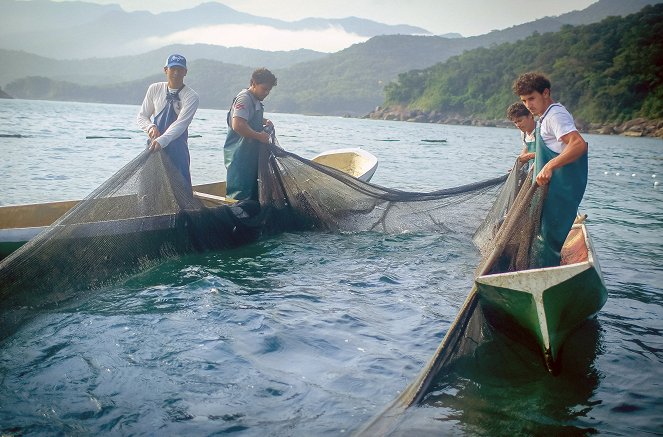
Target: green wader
point(560, 208)
point(531, 145)
point(531, 148)
point(241, 159)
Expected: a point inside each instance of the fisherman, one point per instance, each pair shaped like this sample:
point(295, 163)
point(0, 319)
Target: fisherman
point(247, 129)
point(524, 120)
point(560, 161)
point(173, 106)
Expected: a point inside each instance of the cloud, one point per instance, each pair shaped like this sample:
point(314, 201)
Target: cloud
point(331, 39)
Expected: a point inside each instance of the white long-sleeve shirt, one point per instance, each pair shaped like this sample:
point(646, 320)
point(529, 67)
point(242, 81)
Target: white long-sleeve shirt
point(155, 101)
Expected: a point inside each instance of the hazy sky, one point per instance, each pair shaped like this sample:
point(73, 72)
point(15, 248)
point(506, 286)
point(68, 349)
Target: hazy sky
point(467, 17)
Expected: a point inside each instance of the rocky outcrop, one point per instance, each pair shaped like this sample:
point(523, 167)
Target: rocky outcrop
point(639, 127)
point(4, 95)
point(418, 116)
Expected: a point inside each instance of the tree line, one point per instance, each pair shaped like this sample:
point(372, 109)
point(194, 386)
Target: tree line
point(610, 71)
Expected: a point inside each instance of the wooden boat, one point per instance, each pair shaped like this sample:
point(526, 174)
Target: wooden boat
point(20, 223)
point(548, 304)
point(353, 161)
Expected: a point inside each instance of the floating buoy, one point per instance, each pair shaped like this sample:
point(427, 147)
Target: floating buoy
point(656, 184)
point(633, 175)
point(617, 174)
point(605, 172)
point(653, 175)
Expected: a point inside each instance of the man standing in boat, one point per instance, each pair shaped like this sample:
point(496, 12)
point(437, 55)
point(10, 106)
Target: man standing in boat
point(523, 120)
point(560, 161)
point(246, 132)
point(173, 106)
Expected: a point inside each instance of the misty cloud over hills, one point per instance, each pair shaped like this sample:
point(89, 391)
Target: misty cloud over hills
point(76, 30)
point(348, 81)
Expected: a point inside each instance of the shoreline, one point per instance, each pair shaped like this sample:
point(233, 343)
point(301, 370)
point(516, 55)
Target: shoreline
point(638, 127)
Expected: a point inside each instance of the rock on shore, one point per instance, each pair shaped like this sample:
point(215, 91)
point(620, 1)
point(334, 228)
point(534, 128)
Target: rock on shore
point(4, 95)
point(639, 127)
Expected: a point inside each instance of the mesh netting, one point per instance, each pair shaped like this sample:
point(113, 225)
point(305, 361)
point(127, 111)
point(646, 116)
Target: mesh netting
point(507, 239)
point(142, 215)
point(146, 213)
point(324, 198)
point(514, 245)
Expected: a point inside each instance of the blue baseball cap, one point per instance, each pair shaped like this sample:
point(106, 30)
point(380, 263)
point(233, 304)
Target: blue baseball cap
point(176, 61)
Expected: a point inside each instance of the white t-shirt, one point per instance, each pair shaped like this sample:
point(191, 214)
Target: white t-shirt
point(555, 123)
point(155, 101)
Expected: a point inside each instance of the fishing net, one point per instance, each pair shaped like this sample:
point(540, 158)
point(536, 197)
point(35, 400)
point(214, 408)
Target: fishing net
point(146, 213)
point(508, 241)
point(143, 214)
point(324, 198)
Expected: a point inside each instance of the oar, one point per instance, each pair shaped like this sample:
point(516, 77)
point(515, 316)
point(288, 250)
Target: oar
point(219, 200)
point(96, 137)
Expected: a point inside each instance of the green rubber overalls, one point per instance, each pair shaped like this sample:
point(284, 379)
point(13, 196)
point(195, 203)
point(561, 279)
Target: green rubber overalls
point(560, 208)
point(531, 145)
point(241, 159)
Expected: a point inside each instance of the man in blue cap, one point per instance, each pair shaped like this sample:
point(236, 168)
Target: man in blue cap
point(173, 106)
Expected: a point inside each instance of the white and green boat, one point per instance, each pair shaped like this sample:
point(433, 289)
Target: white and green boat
point(547, 303)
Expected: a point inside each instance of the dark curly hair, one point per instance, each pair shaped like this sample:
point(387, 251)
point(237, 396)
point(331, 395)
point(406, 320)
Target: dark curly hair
point(529, 82)
point(263, 76)
point(516, 110)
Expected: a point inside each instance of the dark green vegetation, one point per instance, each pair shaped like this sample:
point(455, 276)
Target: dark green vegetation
point(351, 81)
point(610, 71)
point(216, 83)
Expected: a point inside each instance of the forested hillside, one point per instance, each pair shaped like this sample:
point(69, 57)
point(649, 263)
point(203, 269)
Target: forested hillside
point(610, 71)
point(352, 81)
point(220, 83)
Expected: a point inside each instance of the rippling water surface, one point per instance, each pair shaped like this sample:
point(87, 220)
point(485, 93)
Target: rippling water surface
point(313, 333)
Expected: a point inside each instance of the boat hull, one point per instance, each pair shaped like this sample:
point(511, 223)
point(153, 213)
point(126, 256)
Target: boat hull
point(546, 304)
point(21, 223)
point(353, 161)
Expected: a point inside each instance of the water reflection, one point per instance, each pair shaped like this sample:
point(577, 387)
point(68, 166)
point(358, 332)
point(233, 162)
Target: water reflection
point(504, 389)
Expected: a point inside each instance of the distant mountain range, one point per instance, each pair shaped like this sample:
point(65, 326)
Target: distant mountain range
point(102, 71)
point(604, 73)
point(350, 81)
point(77, 30)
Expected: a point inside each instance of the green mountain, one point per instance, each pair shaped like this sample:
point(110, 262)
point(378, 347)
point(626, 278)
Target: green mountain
point(102, 71)
point(604, 72)
point(351, 81)
point(220, 83)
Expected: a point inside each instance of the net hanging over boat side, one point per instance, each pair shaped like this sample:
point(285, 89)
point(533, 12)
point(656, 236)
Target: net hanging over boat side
point(140, 216)
point(146, 213)
point(319, 197)
point(507, 240)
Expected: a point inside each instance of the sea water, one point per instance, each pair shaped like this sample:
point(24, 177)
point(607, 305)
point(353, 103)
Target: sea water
point(315, 333)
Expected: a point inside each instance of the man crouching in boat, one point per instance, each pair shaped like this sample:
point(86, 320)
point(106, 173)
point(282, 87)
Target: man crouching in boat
point(174, 105)
point(560, 161)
